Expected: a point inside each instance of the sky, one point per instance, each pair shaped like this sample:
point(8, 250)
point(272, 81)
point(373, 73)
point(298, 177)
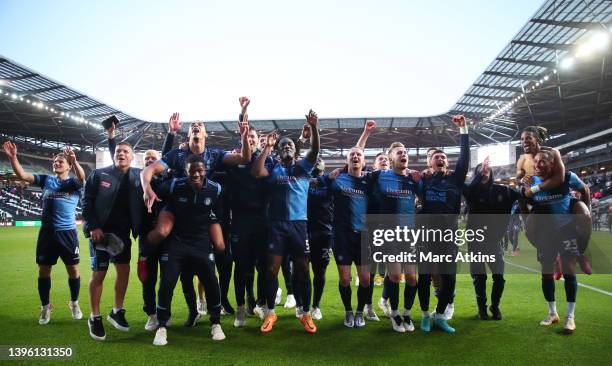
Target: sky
point(356, 58)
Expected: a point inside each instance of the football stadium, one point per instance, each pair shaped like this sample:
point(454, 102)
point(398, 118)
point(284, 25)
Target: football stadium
point(480, 235)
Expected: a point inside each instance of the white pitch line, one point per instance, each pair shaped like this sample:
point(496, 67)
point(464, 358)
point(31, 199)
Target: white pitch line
point(523, 267)
point(579, 284)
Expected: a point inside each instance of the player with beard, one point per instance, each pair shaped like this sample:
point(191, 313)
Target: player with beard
point(288, 182)
point(440, 193)
point(57, 236)
point(532, 138)
point(489, 206)
point(320, 235)
point(557, 234)
point(174, 161)
point(194, 202)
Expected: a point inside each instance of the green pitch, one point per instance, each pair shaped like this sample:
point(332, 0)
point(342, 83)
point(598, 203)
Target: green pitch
point(518, 339)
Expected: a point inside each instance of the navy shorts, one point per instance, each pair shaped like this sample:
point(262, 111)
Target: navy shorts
point(100, 259)
point(288, 237)
point(563, 242)
point(347, 247)
point(52, 244)
point(320, 247)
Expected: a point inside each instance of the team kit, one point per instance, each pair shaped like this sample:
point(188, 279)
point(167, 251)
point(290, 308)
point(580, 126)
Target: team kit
point(265, 208)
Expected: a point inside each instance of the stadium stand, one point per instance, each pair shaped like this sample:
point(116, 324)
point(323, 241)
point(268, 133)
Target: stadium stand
point(20, 203)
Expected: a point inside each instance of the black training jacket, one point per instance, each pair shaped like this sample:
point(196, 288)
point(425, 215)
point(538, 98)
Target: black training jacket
point(101, 190)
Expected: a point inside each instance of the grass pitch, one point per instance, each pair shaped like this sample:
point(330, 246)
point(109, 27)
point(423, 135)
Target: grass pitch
point(518, 339)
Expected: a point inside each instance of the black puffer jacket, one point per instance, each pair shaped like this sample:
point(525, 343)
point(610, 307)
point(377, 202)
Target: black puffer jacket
point(489, 205)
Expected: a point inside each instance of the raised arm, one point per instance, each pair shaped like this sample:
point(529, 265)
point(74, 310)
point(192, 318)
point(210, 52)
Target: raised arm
point(174, 125)
point(464, 156)
point(258, 169)
point(78, 169)
point(368, 128)
point(244, 157)
point(313, 120)
point(168, 142)
point(112, 143)
point(244, 105)
point(245, 150)
point(304, 136)
point(11, 152)
point(471, 189)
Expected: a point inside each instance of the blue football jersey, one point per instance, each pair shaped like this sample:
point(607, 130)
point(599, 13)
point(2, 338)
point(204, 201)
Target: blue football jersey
point(288, 190)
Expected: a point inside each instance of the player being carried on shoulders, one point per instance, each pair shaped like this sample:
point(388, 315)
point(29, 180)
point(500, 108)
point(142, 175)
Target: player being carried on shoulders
point(555, 234)
point(532, 139)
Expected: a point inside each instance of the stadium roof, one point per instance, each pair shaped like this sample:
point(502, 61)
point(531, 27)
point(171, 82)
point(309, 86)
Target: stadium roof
point(554, 72)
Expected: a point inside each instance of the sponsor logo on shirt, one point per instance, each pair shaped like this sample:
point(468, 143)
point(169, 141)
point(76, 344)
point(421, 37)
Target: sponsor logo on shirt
point(286, 179)
point(435, 196)
point(105, 184)
point(547, 197)
point(56, 195)
point(398, 193)
point(349, 191)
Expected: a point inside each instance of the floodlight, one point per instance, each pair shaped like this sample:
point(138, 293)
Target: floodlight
point(600, 40)
point(567, 62)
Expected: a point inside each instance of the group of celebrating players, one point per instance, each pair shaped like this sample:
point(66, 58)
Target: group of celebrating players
point(264, 207)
